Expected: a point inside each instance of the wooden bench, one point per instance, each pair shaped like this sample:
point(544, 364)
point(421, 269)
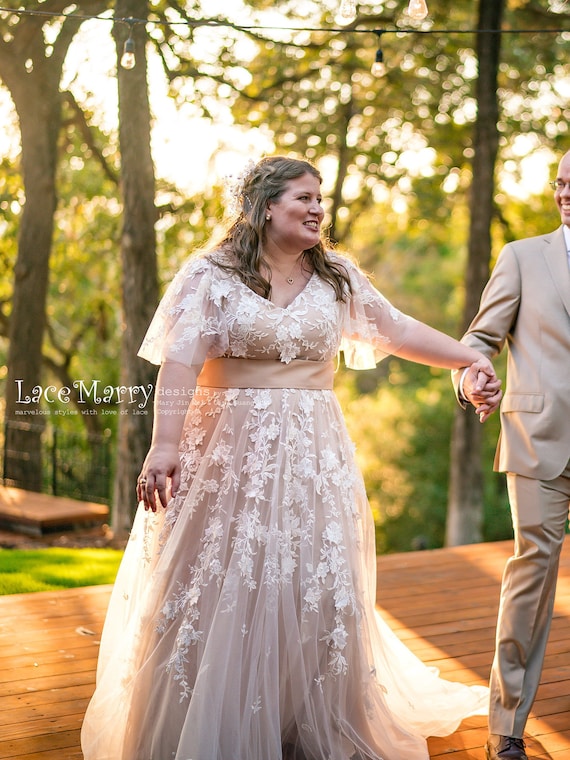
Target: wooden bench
point(38, 513)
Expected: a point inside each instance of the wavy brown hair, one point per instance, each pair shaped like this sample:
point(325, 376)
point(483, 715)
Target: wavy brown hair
point(242, 245)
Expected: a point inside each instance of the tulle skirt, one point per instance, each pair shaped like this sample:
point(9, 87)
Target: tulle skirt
point(242, 624)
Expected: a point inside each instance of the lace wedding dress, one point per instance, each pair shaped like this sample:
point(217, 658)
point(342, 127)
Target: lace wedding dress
point(242, 624)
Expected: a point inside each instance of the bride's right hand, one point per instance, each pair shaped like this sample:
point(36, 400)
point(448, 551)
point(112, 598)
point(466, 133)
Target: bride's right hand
point(161, 468)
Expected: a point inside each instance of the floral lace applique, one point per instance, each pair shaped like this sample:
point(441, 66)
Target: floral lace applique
point(247, 538)
point(185, 603)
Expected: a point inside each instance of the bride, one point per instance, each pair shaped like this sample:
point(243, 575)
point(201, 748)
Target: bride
point(242, 624)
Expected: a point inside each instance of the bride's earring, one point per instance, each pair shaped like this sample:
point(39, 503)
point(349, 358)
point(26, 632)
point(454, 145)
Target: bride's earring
point(267, 217)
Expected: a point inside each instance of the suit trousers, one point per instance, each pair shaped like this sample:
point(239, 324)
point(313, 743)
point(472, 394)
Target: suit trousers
point(539, 510)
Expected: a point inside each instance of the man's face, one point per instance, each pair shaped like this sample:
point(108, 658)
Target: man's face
point(562, 193)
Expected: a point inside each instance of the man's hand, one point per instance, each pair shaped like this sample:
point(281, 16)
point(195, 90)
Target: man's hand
point(482, 388)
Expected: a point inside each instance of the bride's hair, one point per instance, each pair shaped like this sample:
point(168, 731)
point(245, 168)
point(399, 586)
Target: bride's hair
point(242, 245)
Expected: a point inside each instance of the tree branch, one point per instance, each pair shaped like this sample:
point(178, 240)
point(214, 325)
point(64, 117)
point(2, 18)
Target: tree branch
point(81, 122)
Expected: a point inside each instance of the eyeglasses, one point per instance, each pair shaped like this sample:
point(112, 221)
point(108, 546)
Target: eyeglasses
point(559, 184)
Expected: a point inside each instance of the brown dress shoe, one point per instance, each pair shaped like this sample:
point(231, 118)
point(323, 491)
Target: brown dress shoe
point(505, 748)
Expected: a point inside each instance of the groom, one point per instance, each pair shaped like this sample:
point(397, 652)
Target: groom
point(526, 305)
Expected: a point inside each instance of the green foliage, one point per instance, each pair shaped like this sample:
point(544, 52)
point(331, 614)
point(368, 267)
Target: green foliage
point(402, 433)
point(187, 225)
point(24, 571)
point(400, 414)
point(395, 155)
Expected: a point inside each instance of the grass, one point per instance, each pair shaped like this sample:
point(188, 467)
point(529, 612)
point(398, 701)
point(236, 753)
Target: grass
point(24, 571)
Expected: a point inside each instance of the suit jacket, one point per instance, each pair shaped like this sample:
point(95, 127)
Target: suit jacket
point(526, 304)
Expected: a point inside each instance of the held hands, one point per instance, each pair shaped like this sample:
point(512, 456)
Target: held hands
point(162, 464)
point(482, 388)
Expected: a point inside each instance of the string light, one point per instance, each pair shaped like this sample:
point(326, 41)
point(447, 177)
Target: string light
point(417, 9)
point(128, 60)
point(378, 68)
point(347, 11)
point(216, 23)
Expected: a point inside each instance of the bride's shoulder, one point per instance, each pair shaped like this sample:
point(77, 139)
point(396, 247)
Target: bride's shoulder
point(194, 264)
point(347, 262)
point(222, 259)
point(210, 263)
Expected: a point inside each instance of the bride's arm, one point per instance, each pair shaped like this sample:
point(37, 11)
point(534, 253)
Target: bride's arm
point(426, 345)
point(174, 388)
point(372, 321)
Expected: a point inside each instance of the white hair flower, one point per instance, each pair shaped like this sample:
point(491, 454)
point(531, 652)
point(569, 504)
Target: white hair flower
point(235, 200)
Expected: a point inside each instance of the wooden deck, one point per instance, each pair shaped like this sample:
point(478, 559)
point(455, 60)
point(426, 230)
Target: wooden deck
point(443, 603)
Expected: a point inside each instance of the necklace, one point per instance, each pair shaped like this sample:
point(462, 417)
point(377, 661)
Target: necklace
point(289, 278)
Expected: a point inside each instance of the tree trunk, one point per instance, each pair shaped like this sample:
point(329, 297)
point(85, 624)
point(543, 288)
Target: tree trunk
point(342, 170)
point(32, 73)
point(465, 505)
point(37, 101)
point(138, 258)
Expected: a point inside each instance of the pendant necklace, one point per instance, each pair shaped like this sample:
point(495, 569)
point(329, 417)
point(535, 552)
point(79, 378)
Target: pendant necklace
point(289, 278)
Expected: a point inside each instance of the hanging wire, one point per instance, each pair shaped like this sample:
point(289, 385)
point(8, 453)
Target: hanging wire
point(416, 7)
point(261, 27)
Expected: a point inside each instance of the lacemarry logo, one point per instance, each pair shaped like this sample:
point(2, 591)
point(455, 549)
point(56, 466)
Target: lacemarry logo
point(81, 392)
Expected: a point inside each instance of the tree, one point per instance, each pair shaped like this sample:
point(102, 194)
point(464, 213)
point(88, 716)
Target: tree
point(501, 85)
point(138, 256)
point(31, 69)
point(465, 503)
point(314, 94)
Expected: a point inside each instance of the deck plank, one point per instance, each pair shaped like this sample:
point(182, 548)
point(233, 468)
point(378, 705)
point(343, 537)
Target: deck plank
point(443, 603)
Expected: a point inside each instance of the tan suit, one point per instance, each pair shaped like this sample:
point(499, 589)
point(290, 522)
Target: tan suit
point(526, 305)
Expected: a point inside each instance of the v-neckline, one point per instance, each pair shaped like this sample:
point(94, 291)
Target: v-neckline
point(275, 305)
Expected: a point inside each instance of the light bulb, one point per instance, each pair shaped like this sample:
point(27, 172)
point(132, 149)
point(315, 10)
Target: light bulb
point(347, 11)
point(378, 68)
point(417, 9)
point(128, 60)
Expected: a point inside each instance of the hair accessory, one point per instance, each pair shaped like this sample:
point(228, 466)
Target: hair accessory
point(235, 199)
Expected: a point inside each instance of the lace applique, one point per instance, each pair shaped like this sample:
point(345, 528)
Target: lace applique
point(256, 510)
point(208, 312)
point(185, 604)
point(254, 577)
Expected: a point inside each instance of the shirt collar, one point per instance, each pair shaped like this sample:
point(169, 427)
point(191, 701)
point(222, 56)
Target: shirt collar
point(566, 231)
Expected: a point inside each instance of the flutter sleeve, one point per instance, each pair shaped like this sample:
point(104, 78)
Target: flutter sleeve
point(372, 327)
point(189, 325)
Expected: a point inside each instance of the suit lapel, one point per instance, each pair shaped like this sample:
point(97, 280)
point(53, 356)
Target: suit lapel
point(554, 251)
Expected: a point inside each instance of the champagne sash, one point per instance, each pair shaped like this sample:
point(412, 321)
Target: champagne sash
point(266, 373)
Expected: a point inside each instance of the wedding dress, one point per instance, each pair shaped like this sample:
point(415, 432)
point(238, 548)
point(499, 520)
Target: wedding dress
point(242, 624)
